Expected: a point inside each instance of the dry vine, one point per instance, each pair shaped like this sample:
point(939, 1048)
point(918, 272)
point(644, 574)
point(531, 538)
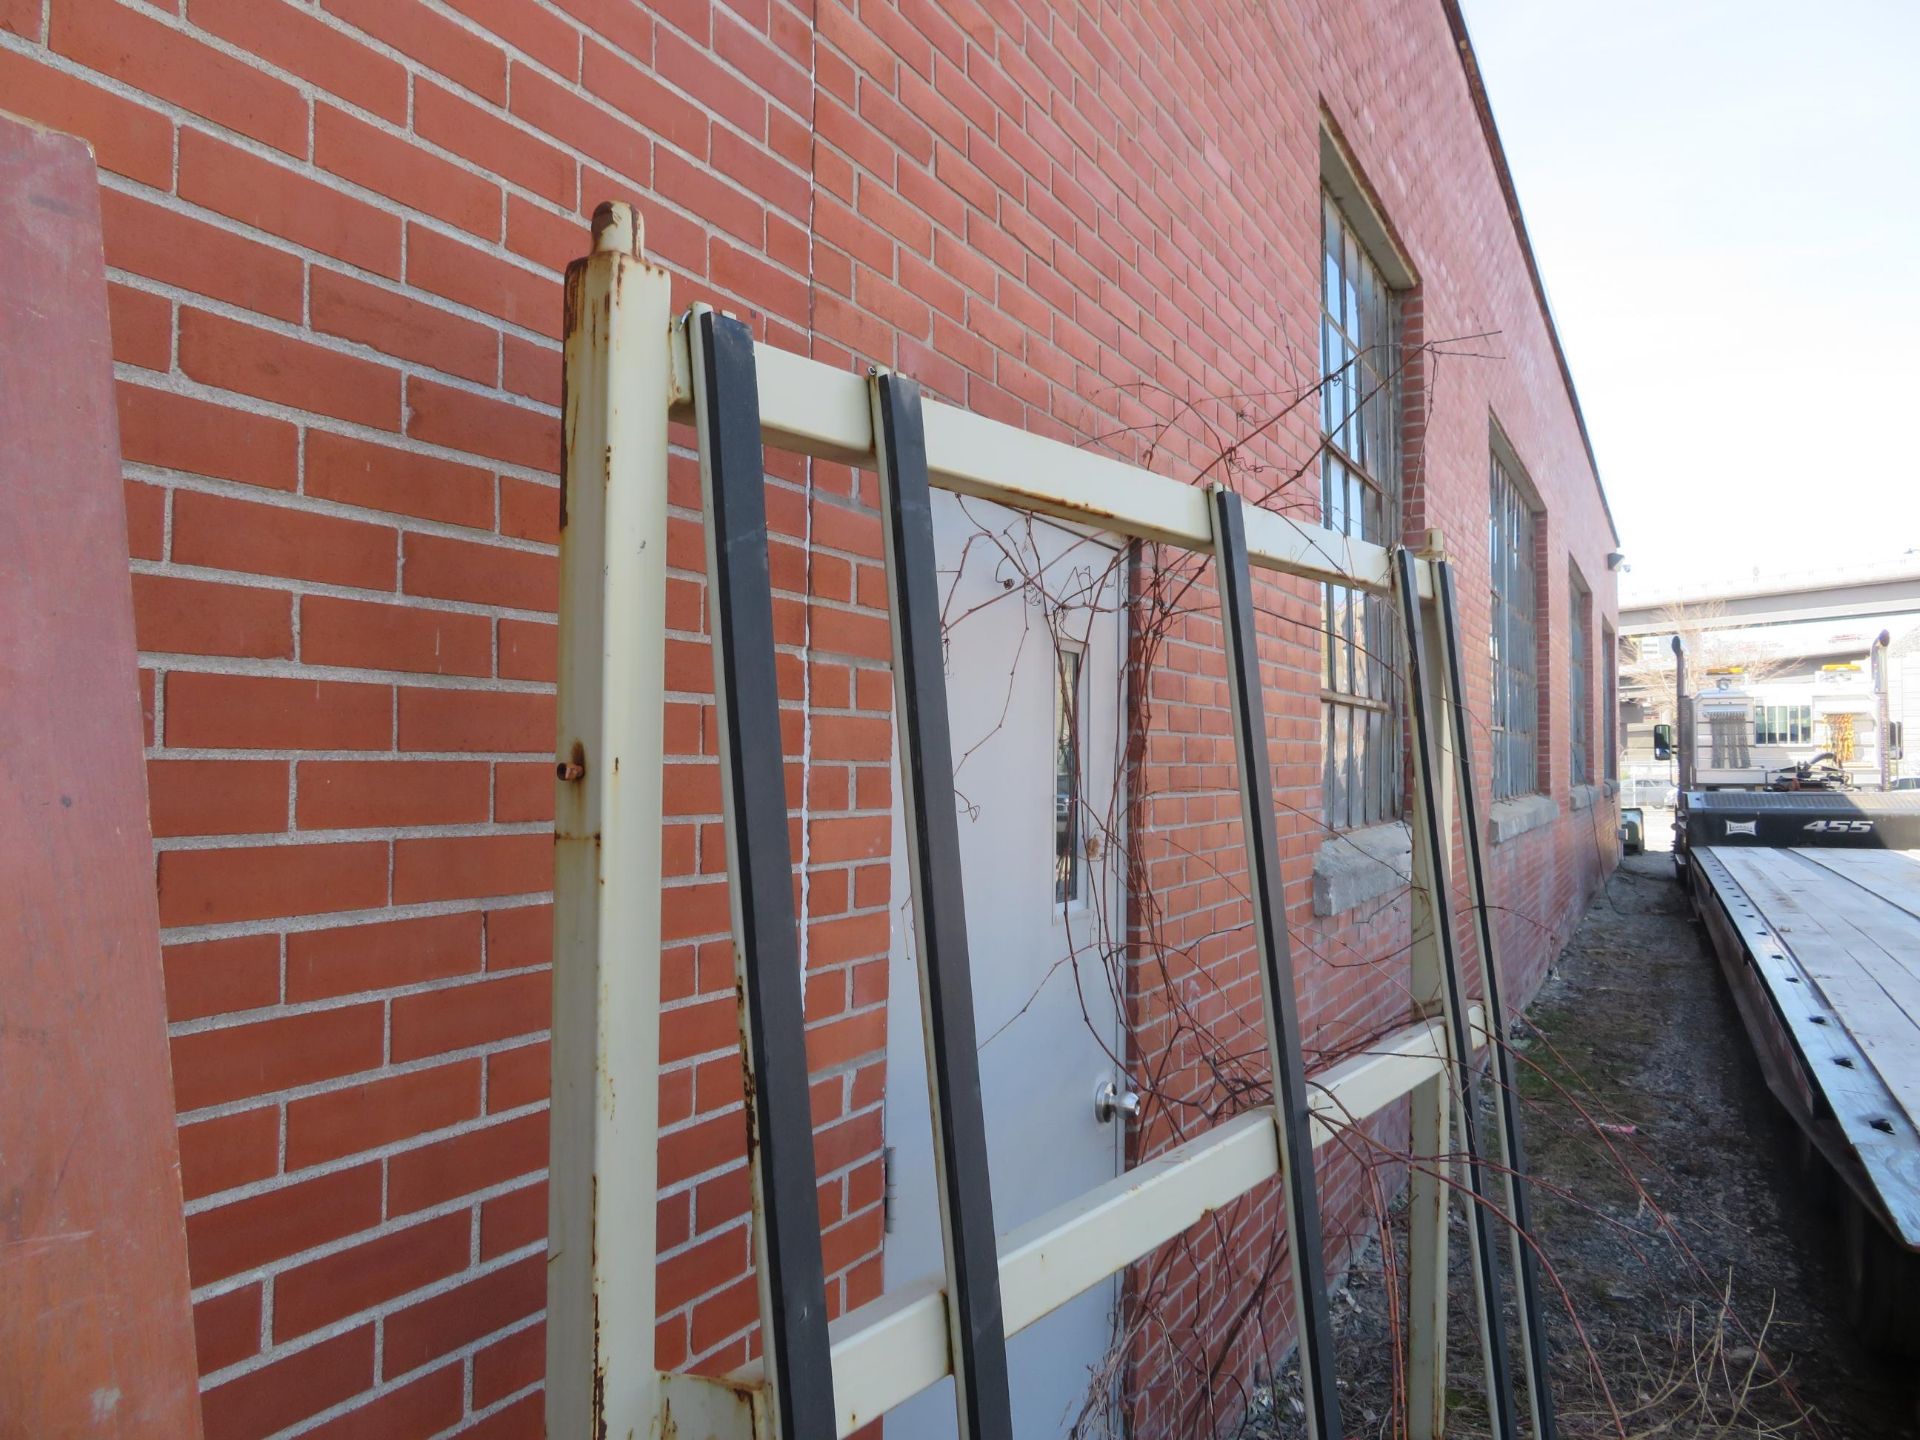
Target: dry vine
point(1206, 1062)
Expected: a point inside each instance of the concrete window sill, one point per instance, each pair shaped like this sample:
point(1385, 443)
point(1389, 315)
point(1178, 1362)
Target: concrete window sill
point(1581, 797)
point(1517, 816)
point(1361, 865)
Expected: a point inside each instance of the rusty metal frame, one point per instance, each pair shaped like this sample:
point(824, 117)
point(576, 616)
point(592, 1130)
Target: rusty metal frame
point(630, 369)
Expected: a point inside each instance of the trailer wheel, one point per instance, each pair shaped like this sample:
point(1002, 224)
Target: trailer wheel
point(1881, 1303)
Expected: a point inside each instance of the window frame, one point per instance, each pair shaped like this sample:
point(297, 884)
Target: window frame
point(1515, 525)
point(1610, 717)
point(1783, 724)
point(1580, 687)
point(1362, 282)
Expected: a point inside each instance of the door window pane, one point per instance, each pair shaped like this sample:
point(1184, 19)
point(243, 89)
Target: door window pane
point(1066, 777)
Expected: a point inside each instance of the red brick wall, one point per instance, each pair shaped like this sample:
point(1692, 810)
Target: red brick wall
point(334, 232)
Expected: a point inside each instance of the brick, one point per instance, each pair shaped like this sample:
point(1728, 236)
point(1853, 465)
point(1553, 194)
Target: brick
point(373, 636)
point(127, 139)
point(671, 117)
point(469, 866)
point(529, 511)
point(21, 17)
point(209, 887)
point(380, 477)
point(217, 797)
point(211, 1067)
point(267, 1400)
point(580, 126)
point(229, 1150)
point(178, 432)
point(436, 42)
point(512, 1221)
point(532, 370)
point(431, 1328)
point(267, 712)
point(441, 415)
point(141, 325)
point(426, 1406)
point(348, 959)
point(520, 1359)
point(522, 792)
point(176, 615)
point(528, 650)
point(701, 193)
point(620, 23)
point(519, 937)
point(226, 1329)
point(547, 240)
point(436, 1021)
point(466, 1163)
point(270, 197)
point(146, 520)
point(379, 1112)
point(476, 721)
point(455, 271)
point(196, 255)
point(232, 534)
point(517, 1077)
point(130, 45)
point(290, 37)
point(524, 1419)
point(525, 26)
point(481, 136)
point(443, 568)
point(254, 1231)
point(398, 325)
point(357, 794)
point(403, 171)
point(269, 366)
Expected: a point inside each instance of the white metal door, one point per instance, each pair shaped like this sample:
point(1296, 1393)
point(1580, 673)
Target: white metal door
point(1032, 617)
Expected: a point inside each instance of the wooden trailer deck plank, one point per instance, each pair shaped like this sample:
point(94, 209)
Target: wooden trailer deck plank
point(1831, 954)
point(1854, 944)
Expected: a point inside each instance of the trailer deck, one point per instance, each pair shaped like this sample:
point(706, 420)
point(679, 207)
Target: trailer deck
point(1812, 901)
point(1828, 944)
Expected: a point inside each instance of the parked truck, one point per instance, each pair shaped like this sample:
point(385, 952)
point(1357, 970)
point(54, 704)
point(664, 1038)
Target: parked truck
point(1808, 887)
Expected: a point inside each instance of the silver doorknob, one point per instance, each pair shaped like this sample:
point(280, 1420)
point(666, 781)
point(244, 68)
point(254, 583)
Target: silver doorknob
point(1110, 1102)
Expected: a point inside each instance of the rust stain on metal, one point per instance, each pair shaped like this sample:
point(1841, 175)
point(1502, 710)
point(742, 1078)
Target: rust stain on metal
point(575, 766)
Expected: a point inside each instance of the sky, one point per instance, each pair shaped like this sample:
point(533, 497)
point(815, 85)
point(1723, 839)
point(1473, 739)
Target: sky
point(1724, 198)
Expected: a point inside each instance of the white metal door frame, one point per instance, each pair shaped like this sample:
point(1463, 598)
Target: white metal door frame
point(629, 369)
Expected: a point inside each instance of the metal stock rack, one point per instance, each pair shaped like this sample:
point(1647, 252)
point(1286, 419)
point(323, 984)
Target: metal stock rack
point(631, 367)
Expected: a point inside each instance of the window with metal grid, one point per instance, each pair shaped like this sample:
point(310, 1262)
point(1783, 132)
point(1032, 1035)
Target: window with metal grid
point(1512, 639)
point(1360, 495)
point(1579, 760)
point(1610, 713)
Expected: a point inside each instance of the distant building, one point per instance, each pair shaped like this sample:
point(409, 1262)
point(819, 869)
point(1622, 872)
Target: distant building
point(1792, 658)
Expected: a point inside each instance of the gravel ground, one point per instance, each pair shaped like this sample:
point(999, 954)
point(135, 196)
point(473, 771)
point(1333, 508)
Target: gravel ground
point(1705, 1275)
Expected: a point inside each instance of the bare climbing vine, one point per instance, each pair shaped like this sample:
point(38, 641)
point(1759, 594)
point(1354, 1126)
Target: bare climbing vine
point(1205, 1314)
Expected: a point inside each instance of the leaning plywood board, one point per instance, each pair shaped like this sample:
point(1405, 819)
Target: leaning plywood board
point(96, 1337)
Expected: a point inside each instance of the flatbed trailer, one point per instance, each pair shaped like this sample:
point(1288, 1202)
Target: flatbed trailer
point(1812, 903)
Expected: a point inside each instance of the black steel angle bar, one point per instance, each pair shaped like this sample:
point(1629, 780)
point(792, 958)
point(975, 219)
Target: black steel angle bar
point(760, 864)
point(1290, 1097)
point(1514, 1156)
point(1433, 833)
point(974, 1315)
